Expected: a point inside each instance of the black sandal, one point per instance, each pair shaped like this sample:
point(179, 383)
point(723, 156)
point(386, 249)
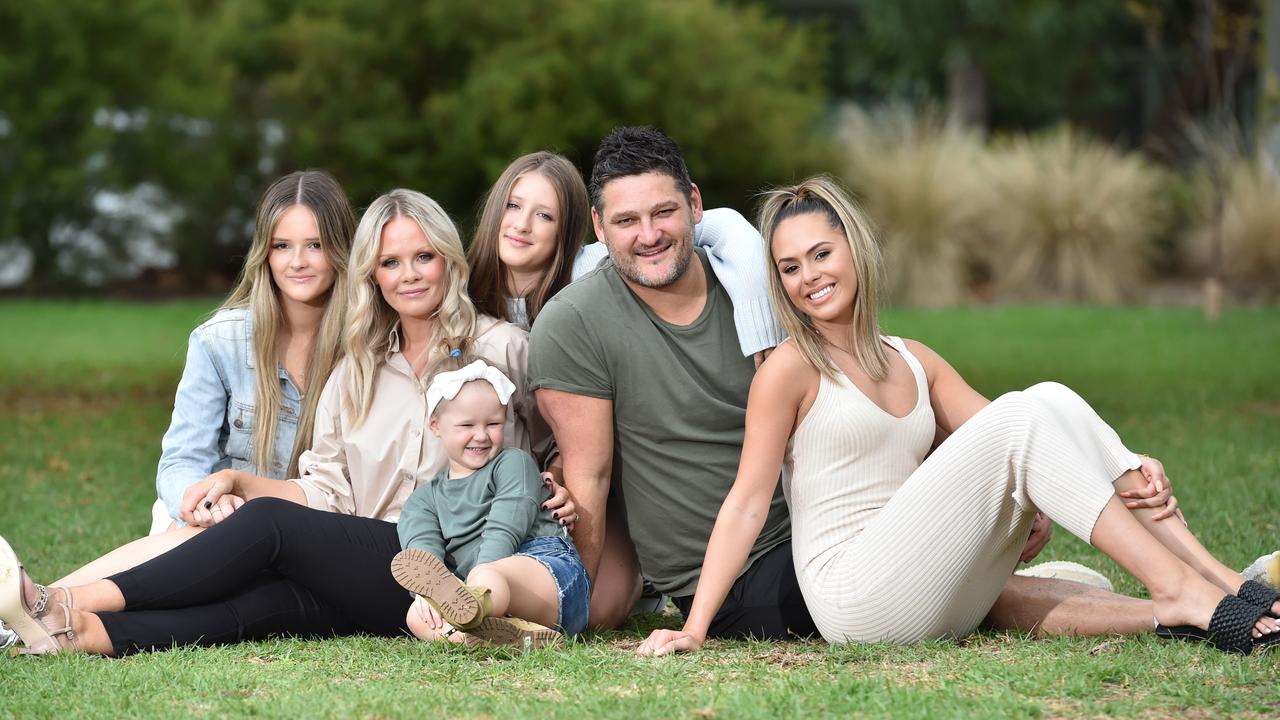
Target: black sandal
point(1230, 629)
point(1255, 593)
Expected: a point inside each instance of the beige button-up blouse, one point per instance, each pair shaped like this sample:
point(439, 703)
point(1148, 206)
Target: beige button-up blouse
point(372, 469)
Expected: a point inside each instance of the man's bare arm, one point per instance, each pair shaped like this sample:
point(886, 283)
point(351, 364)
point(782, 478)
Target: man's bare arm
point(583, 427)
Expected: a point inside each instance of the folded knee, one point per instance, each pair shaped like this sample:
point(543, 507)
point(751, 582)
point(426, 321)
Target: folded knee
point(261, 509)
point(1049, 388)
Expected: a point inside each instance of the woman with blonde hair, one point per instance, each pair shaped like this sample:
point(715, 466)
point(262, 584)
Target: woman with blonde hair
point(896, 540)
point(286, 312)
point(310, 556)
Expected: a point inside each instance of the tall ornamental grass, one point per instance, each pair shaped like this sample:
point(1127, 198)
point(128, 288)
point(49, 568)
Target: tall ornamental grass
point(915, 177)
point(1065, 217)
point(1249, 230)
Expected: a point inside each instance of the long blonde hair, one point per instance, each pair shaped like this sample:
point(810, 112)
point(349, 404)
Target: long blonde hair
point(490, 284)
point(823, 196)
point(371, 318)
point(256, 291)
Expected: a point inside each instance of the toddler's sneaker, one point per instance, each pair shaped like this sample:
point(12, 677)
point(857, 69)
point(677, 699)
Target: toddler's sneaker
point(420, 572)
point(515, 632)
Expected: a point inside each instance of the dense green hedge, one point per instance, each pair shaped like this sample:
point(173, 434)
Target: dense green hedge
point(208, 101)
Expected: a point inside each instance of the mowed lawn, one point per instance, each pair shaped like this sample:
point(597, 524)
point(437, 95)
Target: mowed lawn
point(85, 394)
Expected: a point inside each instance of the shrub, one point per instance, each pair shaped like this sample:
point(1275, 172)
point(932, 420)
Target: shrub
point(915, 178)
point(1250, 231)
point(1066, 217)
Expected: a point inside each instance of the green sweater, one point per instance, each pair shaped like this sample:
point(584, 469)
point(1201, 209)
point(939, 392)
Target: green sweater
point(479, 518)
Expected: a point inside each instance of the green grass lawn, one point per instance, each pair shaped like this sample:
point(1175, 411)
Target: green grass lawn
point(86, 390)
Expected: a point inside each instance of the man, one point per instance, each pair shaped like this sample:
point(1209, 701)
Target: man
point(636, 369)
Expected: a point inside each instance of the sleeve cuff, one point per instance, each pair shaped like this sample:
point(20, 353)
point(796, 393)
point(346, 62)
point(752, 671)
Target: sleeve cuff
point(758, 326)
point(316, 500)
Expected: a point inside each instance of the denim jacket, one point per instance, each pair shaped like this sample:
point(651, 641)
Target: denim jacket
point(212, 426)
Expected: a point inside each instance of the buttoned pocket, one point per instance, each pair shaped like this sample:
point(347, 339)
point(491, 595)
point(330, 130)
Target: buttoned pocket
point(240, 435)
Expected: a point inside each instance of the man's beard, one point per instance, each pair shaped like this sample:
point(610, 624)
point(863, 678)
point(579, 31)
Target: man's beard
point(629, 268)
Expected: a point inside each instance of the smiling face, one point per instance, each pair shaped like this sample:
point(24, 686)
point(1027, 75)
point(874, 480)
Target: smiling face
point(298, 264)
point(815, 263)
point(647, 224)
point(409, 272)
point(530, 225)
point(471, 427)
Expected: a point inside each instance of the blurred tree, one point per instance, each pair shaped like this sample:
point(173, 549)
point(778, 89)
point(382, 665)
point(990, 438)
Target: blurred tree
point(1019, 63)
point(441, 95)
point(202, 103)
point(83, 93)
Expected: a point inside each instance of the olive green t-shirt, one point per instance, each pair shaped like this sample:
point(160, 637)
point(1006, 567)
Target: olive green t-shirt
point(479, 518)
point(679, 406)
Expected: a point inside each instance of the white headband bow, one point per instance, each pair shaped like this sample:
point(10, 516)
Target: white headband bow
point(446, 385)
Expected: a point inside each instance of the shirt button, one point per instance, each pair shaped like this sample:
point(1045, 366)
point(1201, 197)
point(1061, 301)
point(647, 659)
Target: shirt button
point(238, 424)
point(415, 432)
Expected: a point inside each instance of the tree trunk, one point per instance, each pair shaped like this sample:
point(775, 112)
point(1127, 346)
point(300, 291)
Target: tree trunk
point(966, 91)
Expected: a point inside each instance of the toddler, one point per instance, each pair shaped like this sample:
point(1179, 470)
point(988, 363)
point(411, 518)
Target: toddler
point(481, 519)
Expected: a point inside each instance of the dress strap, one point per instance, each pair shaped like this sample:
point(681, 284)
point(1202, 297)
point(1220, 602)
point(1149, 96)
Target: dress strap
point(922, 380)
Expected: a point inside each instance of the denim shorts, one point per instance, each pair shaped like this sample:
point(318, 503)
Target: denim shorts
point(561, 558)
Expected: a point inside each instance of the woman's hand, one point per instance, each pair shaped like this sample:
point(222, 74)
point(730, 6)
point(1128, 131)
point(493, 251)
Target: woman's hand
point(1158, 492)
point(215, 492)
point(219, 511)
point(665, 642)
point(563, 510)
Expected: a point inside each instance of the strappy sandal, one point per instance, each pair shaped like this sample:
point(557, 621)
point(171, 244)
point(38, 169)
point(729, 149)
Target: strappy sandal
point(420, 572)
point(1255, 593)
point(26, 621)
point(1230, 628)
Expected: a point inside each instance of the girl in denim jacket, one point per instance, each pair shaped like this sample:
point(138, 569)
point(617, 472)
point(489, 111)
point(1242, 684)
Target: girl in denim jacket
point(286, 313)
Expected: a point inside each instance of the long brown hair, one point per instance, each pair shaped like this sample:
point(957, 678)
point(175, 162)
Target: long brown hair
point(823, 196)
point(490, 283)
point(255, 290)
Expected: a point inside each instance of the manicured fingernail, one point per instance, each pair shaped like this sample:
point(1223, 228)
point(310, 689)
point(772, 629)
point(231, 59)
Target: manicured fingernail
point(555, 515)
point(207, 504)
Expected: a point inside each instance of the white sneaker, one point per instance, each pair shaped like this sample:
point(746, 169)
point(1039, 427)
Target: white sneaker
point(8, 638)
point(1066, 570)
point(1265, 570)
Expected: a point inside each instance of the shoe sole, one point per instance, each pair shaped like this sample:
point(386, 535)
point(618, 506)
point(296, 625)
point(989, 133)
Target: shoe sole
point(421, 572)
point(511, 631)
point(13, 611)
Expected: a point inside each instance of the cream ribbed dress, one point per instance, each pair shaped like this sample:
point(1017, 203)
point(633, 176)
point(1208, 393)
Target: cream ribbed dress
point(890, 546)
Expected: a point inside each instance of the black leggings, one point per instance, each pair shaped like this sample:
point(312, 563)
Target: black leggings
point(273, 568)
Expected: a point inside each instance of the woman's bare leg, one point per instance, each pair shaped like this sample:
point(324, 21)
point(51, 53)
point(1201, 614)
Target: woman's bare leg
point(1180, 595)
point(1178, 539)
point(129, 556)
